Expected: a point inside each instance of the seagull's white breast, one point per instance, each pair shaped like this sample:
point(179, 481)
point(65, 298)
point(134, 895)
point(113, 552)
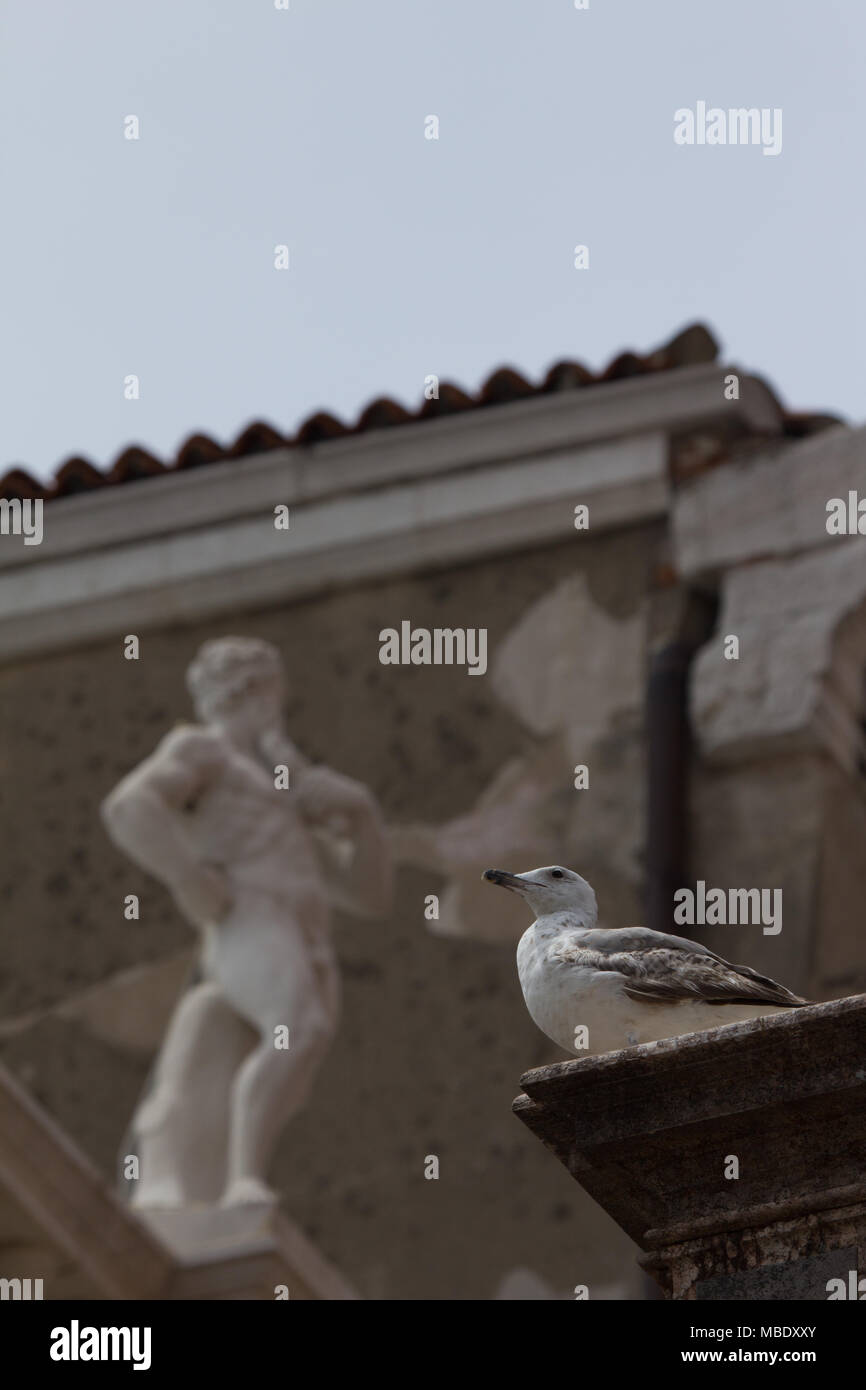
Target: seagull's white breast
point(562, 997)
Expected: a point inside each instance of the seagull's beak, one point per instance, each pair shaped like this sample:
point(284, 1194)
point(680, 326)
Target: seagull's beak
point(504, 879)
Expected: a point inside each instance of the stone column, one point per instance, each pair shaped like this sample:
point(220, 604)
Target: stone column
point(778, 793)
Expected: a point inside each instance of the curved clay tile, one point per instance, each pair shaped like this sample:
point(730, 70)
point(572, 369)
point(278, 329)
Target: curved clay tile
point(692, 347)
point(257, 438)
point(503, 386)
point(135, 463)
point(77, 475)
point(16, 485)
point(381, 414)
point(566, 376)
point(450, 401)
point(320, 427)
point(798, 424)
point(197, 451)
point(626, 365)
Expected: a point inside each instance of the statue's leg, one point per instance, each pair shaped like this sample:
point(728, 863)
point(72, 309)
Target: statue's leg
point(181, 1126)
point(278, 980)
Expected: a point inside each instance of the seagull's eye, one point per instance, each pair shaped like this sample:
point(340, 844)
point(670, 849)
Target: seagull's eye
point(557, 873)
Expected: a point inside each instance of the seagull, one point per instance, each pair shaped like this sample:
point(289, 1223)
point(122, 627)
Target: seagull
point(593, 990)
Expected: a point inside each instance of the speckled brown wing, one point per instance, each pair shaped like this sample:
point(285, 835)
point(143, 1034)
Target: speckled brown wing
point(661, 976)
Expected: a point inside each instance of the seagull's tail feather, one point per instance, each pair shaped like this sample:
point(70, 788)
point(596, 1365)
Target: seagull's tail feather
point(761, 989)
point(659, 975)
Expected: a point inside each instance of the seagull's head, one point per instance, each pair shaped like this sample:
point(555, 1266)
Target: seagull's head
point(549, 890)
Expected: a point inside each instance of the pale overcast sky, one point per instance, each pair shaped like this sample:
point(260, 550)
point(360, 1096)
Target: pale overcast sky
point(409, 256)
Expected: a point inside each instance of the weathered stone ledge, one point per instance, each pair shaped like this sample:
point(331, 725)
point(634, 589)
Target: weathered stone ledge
point(650, 1133)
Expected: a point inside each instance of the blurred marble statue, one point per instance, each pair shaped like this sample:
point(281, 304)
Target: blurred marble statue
point(255, 865)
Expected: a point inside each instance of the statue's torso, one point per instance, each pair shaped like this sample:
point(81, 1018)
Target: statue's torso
point(253, 830)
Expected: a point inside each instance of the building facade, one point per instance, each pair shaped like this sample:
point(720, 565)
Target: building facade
point(574, 523)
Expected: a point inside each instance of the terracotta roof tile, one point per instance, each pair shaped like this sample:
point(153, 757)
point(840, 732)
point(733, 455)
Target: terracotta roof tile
point(381, 414)
point(77, 475)
point(626, 365)
point(567, 376)
point(321, 427)
point(505, 386)
point(695, 345)
point(134, 464)
point(199, 450)
point(257, 438)
point(19, 484)
point(799, 424)
point(450, 401)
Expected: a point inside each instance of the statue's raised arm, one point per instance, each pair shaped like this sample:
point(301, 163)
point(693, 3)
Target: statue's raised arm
point(147, 816)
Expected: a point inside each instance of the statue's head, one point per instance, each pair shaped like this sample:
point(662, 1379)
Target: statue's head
point(237, 678)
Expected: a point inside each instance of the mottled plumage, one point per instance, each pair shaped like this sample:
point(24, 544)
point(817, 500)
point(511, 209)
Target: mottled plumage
point(615, 988)
point(655, 973)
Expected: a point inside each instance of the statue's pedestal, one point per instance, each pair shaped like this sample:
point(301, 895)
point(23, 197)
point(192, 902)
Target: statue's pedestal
point(70, 1232)
point(241, 1252)
point(734, 1158)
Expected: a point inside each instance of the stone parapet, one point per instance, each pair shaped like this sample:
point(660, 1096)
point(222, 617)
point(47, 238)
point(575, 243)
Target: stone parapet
point(734, 1158)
